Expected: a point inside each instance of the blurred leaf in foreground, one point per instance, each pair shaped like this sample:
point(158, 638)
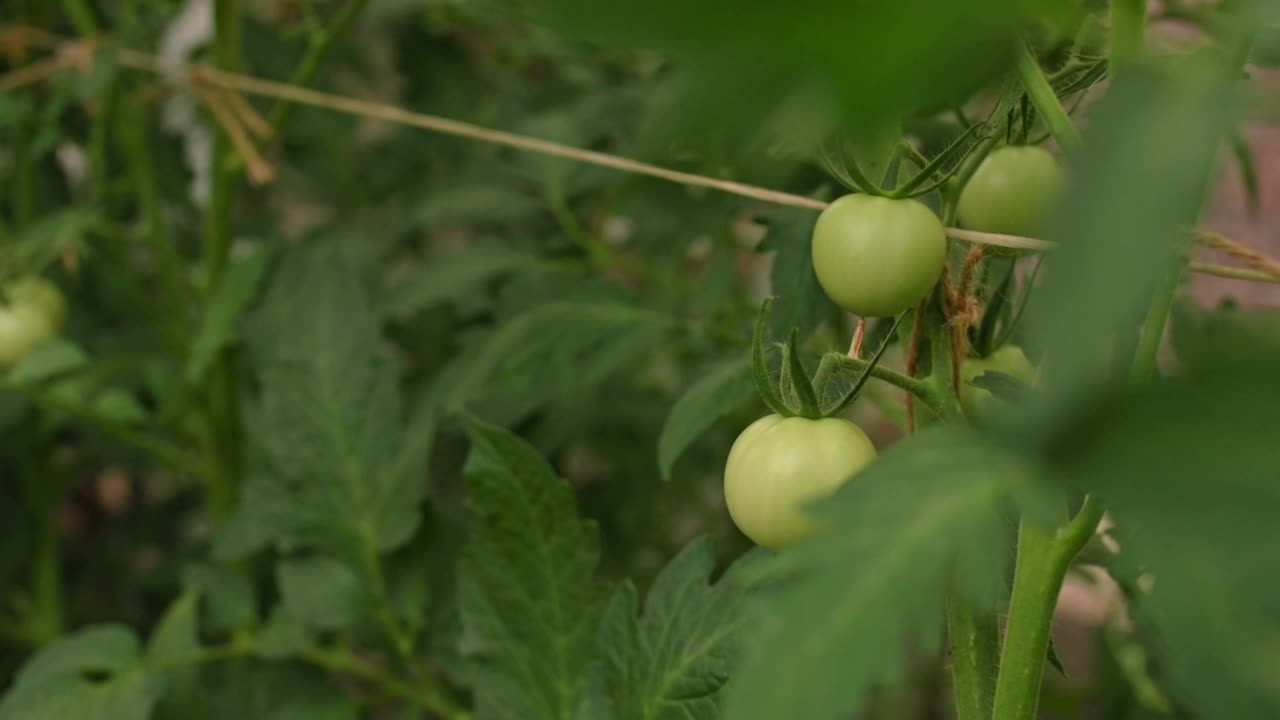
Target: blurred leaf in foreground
point(848, 604)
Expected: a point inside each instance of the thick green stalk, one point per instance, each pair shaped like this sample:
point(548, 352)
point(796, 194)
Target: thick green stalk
point(974, 656)
point(1128, 30)
point(1045, 100)
point(1043, 560)
point(222, 391)
point(973, 635)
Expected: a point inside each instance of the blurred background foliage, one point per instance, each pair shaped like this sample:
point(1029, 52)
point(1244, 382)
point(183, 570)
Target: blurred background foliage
point(226, 338)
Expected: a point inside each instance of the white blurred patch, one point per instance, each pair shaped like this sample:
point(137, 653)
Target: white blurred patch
point(74, 163)
point(191, 30)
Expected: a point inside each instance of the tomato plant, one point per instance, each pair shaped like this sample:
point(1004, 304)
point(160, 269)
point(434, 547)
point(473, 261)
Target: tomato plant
point(1012, 192)
point(778, 466)
point(465, 361)
point(876, 257)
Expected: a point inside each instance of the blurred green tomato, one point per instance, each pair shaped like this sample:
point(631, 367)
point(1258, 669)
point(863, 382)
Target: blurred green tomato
point(1009, 360)
point(1012, 193)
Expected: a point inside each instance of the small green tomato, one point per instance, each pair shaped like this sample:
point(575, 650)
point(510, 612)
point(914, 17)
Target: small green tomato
point(22, 328)
point(876, 257)
point(1012, 193)
point(1009, 360)
point(778, 465)
point(36, 291)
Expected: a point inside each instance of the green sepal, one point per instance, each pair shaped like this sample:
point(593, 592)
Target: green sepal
point(760, 368)
point(795, 380)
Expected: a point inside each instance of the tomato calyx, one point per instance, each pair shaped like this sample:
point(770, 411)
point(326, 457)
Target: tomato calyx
point(796, 393)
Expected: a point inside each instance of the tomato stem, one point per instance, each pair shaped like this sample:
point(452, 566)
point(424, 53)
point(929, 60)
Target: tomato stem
point(1043, 560)
point(1045, 100)
point(1128, 30)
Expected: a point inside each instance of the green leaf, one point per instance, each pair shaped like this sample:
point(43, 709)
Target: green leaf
point(849, 603)
point(228, 597)
point(711, 397)
point(538, 356)
point(672, 661)
point(236, 290)
point(48, 360)
point(255, 691)
point(1137, 184)
point(799, 301)
point(327, 419)
point(1187, 469)
point(320, 591)
point(94, 674)
point(176, 638)
point(283, 636)
point(836, 64)
point(450, 277)
point(530, 606)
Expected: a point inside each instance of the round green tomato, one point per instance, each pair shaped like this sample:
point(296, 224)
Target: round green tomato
point(42, 294)
point(778, 465)
point(22, 328)
point(876, 257)
point(1009, 360)
point(1012, 192)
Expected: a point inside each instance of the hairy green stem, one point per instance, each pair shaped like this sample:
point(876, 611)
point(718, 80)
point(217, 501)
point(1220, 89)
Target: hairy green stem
point(923, 390)
point(1043, 561)
point(44, 494)
point(1128, 30)
point(321, 42)
point(974, 642)
point(221, 394)
point(973, 635)
point(1045, 100)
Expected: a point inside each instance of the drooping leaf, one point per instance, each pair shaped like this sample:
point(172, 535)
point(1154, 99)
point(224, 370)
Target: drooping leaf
point(94, 674)
point(672, 661)
point(712, 396)
point(850, 602)
point(530, 607)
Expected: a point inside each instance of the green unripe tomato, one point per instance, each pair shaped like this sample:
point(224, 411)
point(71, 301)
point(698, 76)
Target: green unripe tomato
point(1009, 360)
point(33, 290)
point(22, 328)
point(1012, 193)
point(778, 465)
point(876, 257)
